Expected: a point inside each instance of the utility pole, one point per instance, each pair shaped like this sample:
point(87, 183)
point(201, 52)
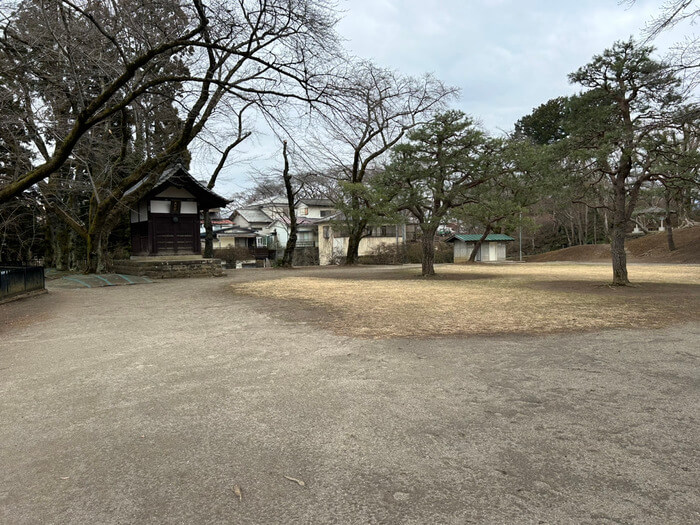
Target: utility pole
point(520, 235)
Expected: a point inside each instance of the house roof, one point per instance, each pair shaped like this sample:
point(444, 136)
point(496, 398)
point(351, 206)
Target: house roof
point(276, 200)
point(253, 215)
point(301, 221)
point(337, 216)
point(474, 237)
point(179, 177)
point(327, 203)
point(235, 231)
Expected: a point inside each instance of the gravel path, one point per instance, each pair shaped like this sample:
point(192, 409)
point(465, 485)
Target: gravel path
point(147, 404)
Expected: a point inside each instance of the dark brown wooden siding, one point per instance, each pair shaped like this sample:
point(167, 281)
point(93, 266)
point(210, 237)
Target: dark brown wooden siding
point(175, 234)
point(139, 238)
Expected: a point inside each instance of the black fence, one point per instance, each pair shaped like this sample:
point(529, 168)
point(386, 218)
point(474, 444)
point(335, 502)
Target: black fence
point(17, 279)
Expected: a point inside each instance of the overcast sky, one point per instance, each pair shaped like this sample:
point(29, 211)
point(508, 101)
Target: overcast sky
point(506, 56)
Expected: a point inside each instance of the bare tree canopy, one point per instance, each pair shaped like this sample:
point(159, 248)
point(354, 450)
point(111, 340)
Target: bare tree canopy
point(196, 52)
point(108, 94)
point(372, 110)
point(685, 55)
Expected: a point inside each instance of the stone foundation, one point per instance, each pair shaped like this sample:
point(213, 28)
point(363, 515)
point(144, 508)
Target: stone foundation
point(169, 267)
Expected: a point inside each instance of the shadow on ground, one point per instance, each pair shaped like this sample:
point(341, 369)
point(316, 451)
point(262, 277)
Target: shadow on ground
point(79, 280)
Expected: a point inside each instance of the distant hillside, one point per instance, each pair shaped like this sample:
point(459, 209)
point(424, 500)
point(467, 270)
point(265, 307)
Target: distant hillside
point(649, 248)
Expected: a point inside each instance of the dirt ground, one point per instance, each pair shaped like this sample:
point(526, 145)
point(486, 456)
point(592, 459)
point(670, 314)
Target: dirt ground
point(148, 404)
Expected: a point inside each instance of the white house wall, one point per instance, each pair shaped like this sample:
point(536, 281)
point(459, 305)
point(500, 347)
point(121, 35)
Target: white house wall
point(282, 234)
point(241, 222)
point(312, 212)
point(330, 247)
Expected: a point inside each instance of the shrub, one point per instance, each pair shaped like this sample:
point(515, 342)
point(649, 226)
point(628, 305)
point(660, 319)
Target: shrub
point(232, 254)
point(306, 256)
point(411, 252)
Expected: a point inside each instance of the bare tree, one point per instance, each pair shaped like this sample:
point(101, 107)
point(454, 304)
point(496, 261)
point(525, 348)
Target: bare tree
point(291, 194)
point(371, 111)
point(239, 136)
point(685, 55)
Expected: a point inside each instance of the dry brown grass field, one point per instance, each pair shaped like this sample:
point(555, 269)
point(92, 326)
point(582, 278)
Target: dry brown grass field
point(482, 299)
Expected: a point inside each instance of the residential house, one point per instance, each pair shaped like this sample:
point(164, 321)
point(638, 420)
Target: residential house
point(333, 241)
point(309, 213)
point(317, 228)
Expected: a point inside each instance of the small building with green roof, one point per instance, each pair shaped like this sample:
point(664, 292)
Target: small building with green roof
point(492, 249)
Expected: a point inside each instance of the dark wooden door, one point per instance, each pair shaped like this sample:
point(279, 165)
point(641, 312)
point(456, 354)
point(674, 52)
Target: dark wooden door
point(176, 235)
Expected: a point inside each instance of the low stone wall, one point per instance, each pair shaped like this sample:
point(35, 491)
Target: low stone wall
point(170, 268)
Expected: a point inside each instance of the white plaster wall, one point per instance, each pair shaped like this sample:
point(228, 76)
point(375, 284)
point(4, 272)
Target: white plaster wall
point(462, 251)
point(493, 256)
point(160, 206)
point(188, 207)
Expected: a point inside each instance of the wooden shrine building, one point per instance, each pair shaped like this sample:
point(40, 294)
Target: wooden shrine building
point(166, 221)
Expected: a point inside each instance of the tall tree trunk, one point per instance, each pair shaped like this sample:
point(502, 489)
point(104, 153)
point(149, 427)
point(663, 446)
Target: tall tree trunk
point(477, 245)
point(595, 226)
point(208, 236)
point(606, 226)
point(619, 257)
point(96, 261)
point(617, 234)
point(669, 226)
point(354, 238)
point(428, 246)
point(566, 232)
point(59, 237)
point(288, 257)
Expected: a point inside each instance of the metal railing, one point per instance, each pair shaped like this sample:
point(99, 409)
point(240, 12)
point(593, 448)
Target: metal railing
point(17, 279)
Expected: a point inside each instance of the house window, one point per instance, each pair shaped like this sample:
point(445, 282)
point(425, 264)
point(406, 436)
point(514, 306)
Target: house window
point(326, 213)
point(175, 207)
point(261, 242)
point(304, 211)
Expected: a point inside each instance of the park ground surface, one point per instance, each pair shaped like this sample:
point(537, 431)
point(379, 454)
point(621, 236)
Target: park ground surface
point(149, 403)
